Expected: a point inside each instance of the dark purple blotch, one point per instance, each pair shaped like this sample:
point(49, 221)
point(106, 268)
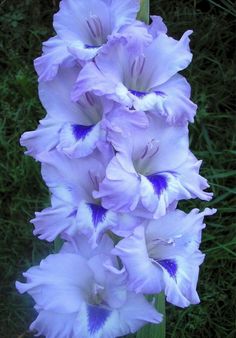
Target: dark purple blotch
point(97, 317)
point(170, 265)
point(142, 94)
point(98, 213)
point(80, 132)
point(90, 47)
point(137, 93)
point(159, 183)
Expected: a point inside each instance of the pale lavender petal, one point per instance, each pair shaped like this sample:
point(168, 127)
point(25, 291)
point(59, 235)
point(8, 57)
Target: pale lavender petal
point(173, 56)
point(119, 190)
point(54, 221)
point(44, 138)
point(53, 324)
point(177, 107)
point(86, 26)
point(80, 245)
point(56, 284)
point(192, 180)
point(142, 273)
point(157, 26)
point(55, 54)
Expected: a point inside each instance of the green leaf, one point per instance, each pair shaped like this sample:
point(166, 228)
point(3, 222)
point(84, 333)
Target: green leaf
point(58, 244)
point(143, 14)
point(153, 330)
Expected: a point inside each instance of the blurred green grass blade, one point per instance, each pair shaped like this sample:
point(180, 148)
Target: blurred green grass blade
point(143, 14)
point(58, 244)
point(152, 330)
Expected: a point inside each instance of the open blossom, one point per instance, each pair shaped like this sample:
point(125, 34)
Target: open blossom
point(71, 182)
point(74, 128)
point(77, 296)
point(143, 80)
point(74, 209)
point(83, 28)
point(165, 256)
point(152, 169)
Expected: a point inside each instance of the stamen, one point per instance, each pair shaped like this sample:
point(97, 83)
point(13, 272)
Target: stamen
point(90, 99)
point(151, 149)
point(91, 28)
point(94, 178)
point(132, 68)
point(142, 66)
point(98, 25)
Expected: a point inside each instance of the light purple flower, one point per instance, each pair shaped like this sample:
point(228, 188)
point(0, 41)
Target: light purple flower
point(73, 209)
point(78, 296)
point(71, 182)
point(74, 128)
point(165, 256)
point(152, 169)
point(82, 28)
point(142, 80)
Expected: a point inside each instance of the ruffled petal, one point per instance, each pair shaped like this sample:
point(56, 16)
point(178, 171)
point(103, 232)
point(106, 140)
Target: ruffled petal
point(157, 26)
point(180, 286)
point(91, 79)
point(173, 56)
point(53, 324)
point(55, 54)
point(78, 140)
point(56, 284)
point(55, 97)
point(54, 221)
point(142, 273)
point(44, 138)
point(177, 107)
point(99, 322)
point(66, 181)
point(120, 189)
point(80, 245)
point(161, 190)
point(93, 220)
point(123, 12)
point(191, 180)
point(138, 312)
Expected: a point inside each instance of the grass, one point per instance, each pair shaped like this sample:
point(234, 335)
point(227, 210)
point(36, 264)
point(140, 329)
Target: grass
point(24, 25)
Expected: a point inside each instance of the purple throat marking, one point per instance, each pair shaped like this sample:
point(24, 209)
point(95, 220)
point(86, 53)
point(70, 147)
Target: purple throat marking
point(159, 183)
point(170, 265)
point(97, 317)
point(90, 46)
point(98, 213)
point(142, 94)
point(80, 132)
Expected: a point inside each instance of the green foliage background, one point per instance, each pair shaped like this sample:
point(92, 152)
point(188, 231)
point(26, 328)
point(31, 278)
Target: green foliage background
point(24, 25)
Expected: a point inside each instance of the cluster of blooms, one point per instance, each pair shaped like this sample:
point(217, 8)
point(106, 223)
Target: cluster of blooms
point(114, 150)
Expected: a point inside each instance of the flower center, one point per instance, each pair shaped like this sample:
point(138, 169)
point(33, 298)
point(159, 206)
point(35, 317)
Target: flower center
point(96, 294)
point(96, 32)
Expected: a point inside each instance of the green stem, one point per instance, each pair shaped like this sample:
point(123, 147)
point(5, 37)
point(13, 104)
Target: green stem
point(143, 14)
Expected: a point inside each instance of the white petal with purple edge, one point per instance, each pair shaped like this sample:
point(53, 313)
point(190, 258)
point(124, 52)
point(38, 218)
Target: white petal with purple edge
point(93, 220)
point(78, 140)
